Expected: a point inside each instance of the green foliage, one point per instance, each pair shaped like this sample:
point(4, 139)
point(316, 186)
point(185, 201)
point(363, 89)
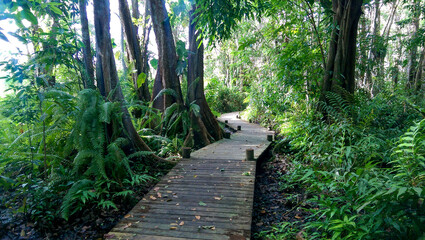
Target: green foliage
point(101, 168)
point(362, 179)
point(223, 99)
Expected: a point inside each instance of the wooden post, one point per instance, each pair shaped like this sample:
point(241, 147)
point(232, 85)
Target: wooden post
point(237, 116)
point(250, 121)
point(186, 152)
point(250, 154)
point(225, 121)
point(239, 128)
point(226, 134)
point(270, 138)
point(269, 128)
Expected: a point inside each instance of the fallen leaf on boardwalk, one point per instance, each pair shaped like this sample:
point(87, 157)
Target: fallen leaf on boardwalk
point(297, 217)
point(198, 217)
point(173, 224)
point(152, 197)
point(173, 228)
point(128, 215)
point(177, 204)
point(202, 203)
point(176, 177)
point(169, 191)
point(142, 207)
point(195, 176)
point(156, 189)
point(209, 227)
point(126, 226)
point(217, 198)
point(159, 194)
point(193, 209)
point(181, 223)
point(169, 200)
point(108, 236)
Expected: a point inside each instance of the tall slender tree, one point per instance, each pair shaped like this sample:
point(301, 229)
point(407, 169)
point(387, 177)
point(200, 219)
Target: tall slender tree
point(88, 74)
point(135, 52)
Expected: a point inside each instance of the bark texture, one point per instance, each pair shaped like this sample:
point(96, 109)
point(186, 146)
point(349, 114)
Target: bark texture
point(134, 50)
point(167, 62)
point(340, 67)
point(195, 80)
point(107, 73)
point(412, 62)
point(87, 55)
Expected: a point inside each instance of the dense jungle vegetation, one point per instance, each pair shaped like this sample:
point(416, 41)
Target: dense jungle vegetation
point(89, 122)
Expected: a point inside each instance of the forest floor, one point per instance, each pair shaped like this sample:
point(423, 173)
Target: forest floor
point(89, 224)
point(273, 204)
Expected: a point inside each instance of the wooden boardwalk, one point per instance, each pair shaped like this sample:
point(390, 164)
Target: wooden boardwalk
point(208, 196)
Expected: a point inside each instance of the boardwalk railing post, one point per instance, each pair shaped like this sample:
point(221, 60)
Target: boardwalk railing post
point(270, 138)
point(226, 121)
point(186, 152)
point(226, 135)
point(250, 154)
point(239, 128)
point(269, 128)
point(250, 120)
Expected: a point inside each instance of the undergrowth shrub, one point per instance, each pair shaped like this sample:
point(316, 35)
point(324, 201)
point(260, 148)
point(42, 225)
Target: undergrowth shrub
point(223, 99)
point(363, 171)
point(101, 169)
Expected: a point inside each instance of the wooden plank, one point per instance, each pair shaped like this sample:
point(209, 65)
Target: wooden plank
point(209, 196)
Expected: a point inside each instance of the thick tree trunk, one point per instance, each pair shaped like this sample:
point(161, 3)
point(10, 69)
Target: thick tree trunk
point(107, 73)
point(133, 46)
point(195, 80)
point(340, 67)
point(167, 62)
point(87, 55)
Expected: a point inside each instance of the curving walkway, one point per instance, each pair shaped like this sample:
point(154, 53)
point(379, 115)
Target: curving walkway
point(208, 196)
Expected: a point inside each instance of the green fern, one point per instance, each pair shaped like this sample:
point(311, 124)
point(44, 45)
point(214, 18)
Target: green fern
point(72, 197)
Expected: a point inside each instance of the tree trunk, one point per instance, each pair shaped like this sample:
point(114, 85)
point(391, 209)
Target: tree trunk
point(340, 67)
point(374, 49)
point(195, 79)
point(167, 62)
point(107, 73)
point(419, 72)
point(133, 46)
point(412, 64)
point(87, 55)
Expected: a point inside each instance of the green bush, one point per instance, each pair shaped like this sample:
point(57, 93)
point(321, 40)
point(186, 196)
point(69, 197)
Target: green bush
point(223, 99)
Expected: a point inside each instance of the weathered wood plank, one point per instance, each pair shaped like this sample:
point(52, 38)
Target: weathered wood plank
point(208, 196)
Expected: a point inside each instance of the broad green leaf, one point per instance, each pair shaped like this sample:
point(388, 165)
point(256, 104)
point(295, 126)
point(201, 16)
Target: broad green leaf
point(141, 79)
point(401, 191)
point(27, 14)
point(202, 203)
point(154, 63)
point(55, 10)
